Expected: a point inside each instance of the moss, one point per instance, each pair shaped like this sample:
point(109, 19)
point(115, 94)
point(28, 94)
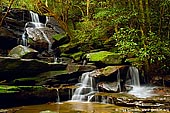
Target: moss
point(31, 88)
point(77, 56)
point(105, 57)
point(9, 89)
point(98, 56)
point(59, 36)
point(13, 89)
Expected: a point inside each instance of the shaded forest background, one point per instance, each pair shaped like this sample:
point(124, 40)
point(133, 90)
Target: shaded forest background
point(138, 29)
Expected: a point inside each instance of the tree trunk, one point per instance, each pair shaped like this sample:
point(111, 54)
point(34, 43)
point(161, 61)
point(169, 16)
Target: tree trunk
point(143, 32)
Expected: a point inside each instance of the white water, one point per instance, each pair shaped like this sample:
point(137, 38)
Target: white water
point(118, 81)
point(142, 91)
point(86, 88)
point(138, 90)
point(46, 38)
point(133, 73)
point(34, 17)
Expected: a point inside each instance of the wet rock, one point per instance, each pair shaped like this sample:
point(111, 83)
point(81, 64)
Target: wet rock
point(80, 68)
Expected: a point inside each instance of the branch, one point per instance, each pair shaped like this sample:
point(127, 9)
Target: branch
point(12, 1)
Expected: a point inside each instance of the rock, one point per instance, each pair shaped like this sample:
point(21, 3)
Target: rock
point(111, 87)
point(105, 57)
point(80, 68)
point(52, 23)
point(69, 48)
point(12, 68)
point(61, 39)
point(23, 52)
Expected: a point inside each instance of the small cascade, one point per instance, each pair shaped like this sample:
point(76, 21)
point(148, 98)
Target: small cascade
point(58, 96)
point(34, 17)
point(138, 90)
point(133, 74)
point(24, 39)
point(86, 88)
point(118, 81)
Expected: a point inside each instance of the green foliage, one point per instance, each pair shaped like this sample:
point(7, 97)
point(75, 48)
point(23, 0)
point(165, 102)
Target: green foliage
point(128, 41)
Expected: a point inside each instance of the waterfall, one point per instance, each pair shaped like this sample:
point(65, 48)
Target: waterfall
point(36, 25)
point(34, 17)
point(58, 96)
point(86, 88)
point(133, 74)
point(138, 91)
point(118, 81)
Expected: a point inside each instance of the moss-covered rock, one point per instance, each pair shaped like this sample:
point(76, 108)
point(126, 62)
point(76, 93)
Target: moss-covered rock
point(23, 52)
point(105, 57)
point(77, 56)
point(70, 48)
point(61, 39)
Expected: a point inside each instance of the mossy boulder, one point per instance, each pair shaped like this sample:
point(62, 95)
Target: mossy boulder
point(61, 39)
point(77, 56)
point(105, 57)
point(69, 48)
point(23, 52)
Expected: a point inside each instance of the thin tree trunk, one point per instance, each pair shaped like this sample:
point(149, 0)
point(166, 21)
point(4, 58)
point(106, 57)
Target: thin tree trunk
point(160, 20)
point(147, 14)
point(88, 5)
point(12, 1)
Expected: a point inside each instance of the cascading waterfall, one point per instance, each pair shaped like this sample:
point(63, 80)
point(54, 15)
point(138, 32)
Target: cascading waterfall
point(86, 88)
point(37, 25)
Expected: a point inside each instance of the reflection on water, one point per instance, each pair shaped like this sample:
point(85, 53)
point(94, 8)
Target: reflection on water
point(81, 107)
point(70, 107)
